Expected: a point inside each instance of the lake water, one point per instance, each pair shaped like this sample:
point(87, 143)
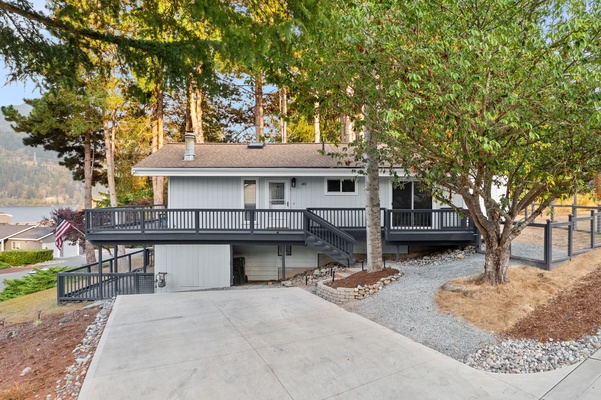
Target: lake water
point(30, 214)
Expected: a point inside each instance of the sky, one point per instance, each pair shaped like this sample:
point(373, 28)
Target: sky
point(15, 92)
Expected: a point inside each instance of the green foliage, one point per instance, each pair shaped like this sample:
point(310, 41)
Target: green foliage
point(496, 101)
point(26, 257)
point(59, 121)
point(4, 265)
point(42, 279)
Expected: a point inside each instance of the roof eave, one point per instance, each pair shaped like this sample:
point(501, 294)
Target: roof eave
point(276, 172)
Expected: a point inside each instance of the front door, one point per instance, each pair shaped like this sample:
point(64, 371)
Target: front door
point(278, 201)
point(278, 195)
point(410, 196)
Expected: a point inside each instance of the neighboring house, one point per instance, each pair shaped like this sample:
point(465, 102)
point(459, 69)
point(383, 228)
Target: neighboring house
point(241, 212)
point(7, 231)
point(38, 238)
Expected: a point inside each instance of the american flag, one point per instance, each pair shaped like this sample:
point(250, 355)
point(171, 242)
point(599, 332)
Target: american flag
point(62, 227)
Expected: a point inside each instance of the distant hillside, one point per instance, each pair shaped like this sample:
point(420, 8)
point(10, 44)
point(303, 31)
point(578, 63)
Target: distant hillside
point(31, 176)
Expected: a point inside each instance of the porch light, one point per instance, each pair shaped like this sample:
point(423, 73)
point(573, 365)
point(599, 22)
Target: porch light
point(161, 279)
point(293, 182)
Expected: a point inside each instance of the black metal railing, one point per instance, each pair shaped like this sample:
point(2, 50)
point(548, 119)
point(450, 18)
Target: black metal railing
point(428, 220)
point(561, 240)
point(320, 229)
point(192, 220)
point(346, 218)
point(103, 280)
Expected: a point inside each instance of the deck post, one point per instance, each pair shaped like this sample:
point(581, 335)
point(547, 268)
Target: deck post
point(145, 258)
point(283, 261)
point(548, 245)
point(100, 285)
point(571, 235)
point(116, 253)
point(592, 229)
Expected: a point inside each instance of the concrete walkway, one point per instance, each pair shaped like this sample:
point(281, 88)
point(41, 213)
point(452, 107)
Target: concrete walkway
point(288, 344)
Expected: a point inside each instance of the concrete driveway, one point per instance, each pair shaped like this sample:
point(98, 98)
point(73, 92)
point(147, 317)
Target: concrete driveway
point(287, 344)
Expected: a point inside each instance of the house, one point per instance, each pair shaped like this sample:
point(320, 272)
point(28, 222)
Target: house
point(257, 212)
point(7, 231)
point(41, 237)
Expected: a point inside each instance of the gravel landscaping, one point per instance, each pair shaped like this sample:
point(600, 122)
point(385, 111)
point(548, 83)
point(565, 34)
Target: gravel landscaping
point(408, 306)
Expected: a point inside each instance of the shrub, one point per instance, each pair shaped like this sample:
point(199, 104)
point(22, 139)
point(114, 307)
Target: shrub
point(41, 279)
point(4, 265)
point(24, 257)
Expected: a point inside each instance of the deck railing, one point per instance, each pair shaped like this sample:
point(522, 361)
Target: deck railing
point(321, 229)
point(140, 220)
point(93, 282)
point(192, 220)
point(428, 220)
point(346, 218)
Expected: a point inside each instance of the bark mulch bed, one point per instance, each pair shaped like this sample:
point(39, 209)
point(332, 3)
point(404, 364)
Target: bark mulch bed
point(363, 278)
point(46, 348)
point(569, 315)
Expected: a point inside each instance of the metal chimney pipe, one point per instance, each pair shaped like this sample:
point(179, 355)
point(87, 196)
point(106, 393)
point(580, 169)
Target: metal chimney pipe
point(189, 140)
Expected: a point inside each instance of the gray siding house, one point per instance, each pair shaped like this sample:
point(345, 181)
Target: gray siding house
point(253, 212)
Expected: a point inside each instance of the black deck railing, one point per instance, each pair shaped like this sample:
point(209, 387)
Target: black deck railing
point(191, 220)
point(329, 234)
point(96, 282)
point(428, 220)
point(143, 221)
point(346, 218)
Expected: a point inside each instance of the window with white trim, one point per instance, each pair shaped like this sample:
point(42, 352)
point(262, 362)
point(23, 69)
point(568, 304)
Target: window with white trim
point(341, 186)
point(16, 246)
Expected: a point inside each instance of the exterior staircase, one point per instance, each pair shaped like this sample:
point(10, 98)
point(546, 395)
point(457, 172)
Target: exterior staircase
point(328, 239)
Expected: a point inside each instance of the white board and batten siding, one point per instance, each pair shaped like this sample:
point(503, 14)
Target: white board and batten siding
point(194, 267)
point(262, 263)
point(226, 192)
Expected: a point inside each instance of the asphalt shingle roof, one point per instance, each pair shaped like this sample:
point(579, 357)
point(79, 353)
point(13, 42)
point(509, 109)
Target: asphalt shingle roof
point(7, 230)
point(238, 155)
point(35, 233)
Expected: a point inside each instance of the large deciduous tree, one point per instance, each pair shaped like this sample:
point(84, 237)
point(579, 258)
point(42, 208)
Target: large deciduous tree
point(497, 101)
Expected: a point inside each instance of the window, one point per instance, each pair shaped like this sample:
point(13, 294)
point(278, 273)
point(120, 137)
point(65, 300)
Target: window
point(288, 250)
point(341, 186)
point(250, 197)
point(250, 194)
point(16, 245)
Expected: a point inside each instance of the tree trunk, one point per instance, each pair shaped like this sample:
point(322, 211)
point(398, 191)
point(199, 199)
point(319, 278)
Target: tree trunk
point(110, 176)
point(158, 137)
point(372, 206)
point(194, 116)
point(316, 128)
point(88, 169)
point(345, 128)
point(283, 113)
point(496, 262)
point(259, 122)
point(110, 163)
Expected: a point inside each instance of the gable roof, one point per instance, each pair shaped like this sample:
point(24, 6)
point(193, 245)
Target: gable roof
point(239, 159)
point(7, 230)
point(38, 233)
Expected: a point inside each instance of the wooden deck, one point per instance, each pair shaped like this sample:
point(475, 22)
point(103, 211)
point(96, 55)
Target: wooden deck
point(235, 226)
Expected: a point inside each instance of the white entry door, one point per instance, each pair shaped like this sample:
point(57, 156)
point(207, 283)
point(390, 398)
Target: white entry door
point(278, 195)
point(278, 199)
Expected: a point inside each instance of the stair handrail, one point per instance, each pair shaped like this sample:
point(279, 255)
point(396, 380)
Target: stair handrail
point(345, 238)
